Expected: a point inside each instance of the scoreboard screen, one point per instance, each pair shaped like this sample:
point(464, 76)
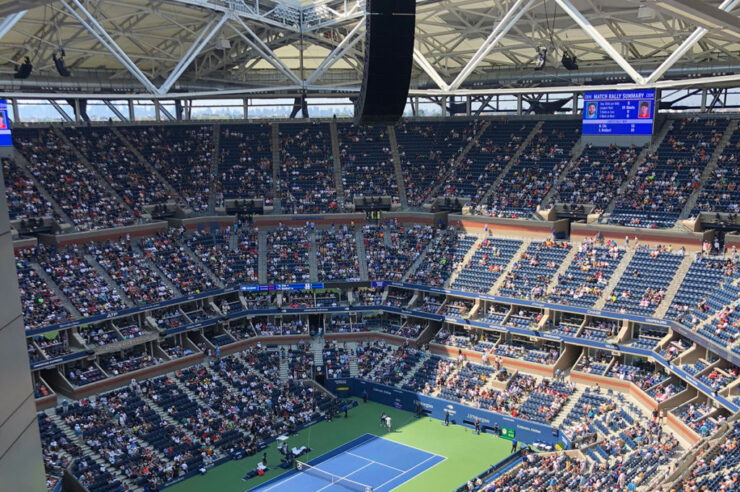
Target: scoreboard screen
point(618, 112)
point(5, 139)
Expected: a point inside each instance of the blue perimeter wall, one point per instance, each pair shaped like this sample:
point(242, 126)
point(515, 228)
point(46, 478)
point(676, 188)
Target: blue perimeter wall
point(526, 432)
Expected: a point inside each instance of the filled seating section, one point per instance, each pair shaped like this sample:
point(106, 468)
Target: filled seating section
point(655, 197)
point(307, 169)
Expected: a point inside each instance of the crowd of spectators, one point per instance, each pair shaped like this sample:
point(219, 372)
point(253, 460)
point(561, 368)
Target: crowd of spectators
point(287, 254)
point(131, 179)
point(233, 265)
point(80, 282)
point(128, 267)
point(665, 181)
point(24, 199)
point(427, 150)
point(642, 286)
point(41, 307)
point(245, 168)
point(337, 254)
point(532, 176)
point(488, 156)
point(588, 274)
point(391, 248)
point(721, 192)
point(533, 271)
point(366, 159)
point(76, 188)
point(181, 153)
point(445, 254)
point(307, 169)
point(176, 263)
point(595, 177)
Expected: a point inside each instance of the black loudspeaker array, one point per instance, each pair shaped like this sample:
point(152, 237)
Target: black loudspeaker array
point(389, 52)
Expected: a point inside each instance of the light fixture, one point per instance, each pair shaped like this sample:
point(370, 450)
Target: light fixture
point(569, 61)
point(59, 63)
point(541, 58)
point(24, 70)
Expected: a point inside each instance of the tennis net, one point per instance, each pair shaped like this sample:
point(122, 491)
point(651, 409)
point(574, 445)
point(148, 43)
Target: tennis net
point(331, 478)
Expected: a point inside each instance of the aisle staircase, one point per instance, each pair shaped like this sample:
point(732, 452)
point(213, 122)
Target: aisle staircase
point(639, 161)
point(562, 268)
point(397, 167)
point(55, 289)
point(565, 410)
point(152, 170)
point(466, 259)
point(673, 287)
point(262, 257)
point(512, 162)
point(443, 178)
point(162, 277)
point(514, 259)
point(313, 261)
point(614, 280)
point(213, 174)
point(24, 166)
point(197, 260)
point(83, 159)
point(276, 184)
point(708, 170)
point(575, 155)
point(88, 452)
point(338, 183)
point(420, 259)
point(90, 259)
point(361, 253)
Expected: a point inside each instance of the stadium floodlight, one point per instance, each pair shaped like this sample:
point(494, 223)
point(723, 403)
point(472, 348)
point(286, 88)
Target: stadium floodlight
point(541, 58)
point(24, 70)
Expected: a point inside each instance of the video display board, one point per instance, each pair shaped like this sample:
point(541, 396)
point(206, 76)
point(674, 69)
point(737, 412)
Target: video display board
point(5, 138)
point(619, 112)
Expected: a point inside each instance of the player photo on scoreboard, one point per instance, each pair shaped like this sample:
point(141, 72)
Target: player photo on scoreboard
point(591, 110)
point(643, 110)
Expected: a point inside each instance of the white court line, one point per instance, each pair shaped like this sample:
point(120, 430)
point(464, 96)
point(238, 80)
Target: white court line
point(346, 477)
point(280, 482)
point(374, 462)
point(407, 445)
point(404, 473)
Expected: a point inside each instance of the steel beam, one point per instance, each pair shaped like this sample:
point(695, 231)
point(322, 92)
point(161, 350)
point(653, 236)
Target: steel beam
point(429, 69)
point(8, 22)
point(93, 26)
point(502, 28)
point(589, 29)
point(115, 110)
point(345, 45)
point(166, 113)
point(240, 9)
point(267, 54)
point(61, 111)
point(687, 45)
point(200, 42)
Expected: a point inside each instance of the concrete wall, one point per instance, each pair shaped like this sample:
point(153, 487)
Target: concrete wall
point(21, 466)
point(113, 234)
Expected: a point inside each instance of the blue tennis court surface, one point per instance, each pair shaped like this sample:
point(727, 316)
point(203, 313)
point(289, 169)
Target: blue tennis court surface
point(368, 460)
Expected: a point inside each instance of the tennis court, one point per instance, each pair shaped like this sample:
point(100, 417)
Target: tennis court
point(369, 463)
